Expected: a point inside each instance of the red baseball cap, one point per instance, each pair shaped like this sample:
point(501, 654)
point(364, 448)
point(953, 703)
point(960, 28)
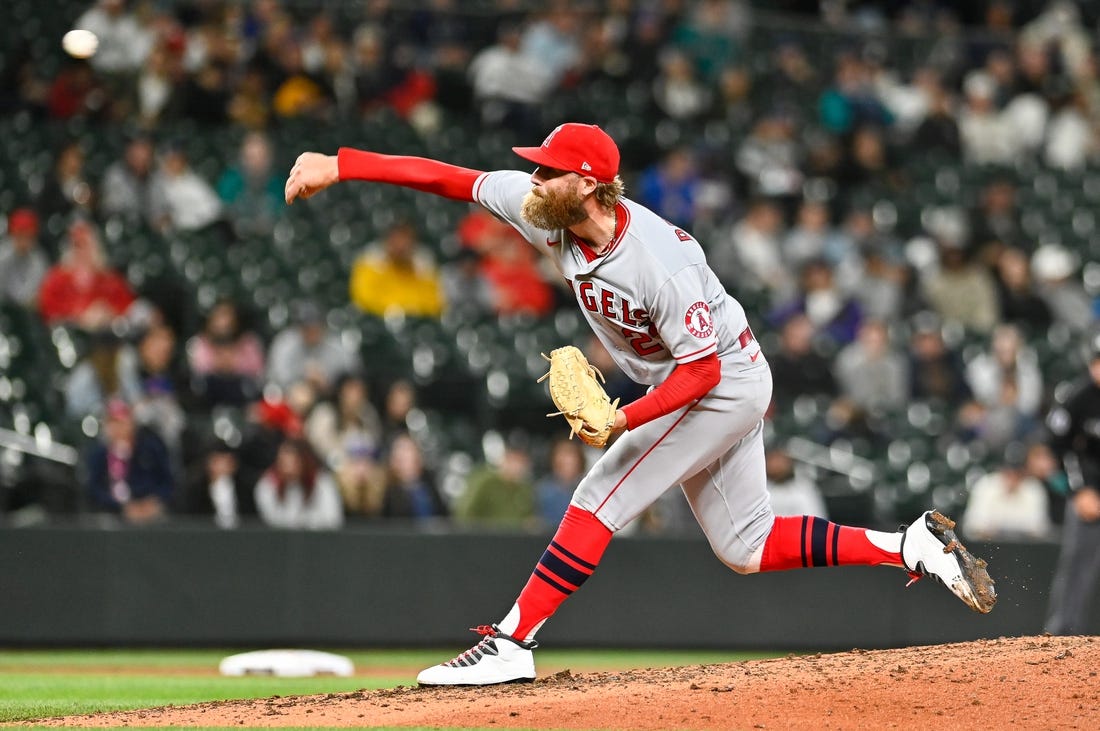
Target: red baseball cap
point(23, 221)
point(584, 149)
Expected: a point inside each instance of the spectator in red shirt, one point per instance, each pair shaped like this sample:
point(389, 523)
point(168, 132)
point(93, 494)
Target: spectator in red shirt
point(75, 91)
point(509, 264)
point(81, 289)
point(517, 280)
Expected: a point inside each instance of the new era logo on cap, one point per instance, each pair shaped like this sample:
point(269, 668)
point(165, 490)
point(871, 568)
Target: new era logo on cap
point(584, 149)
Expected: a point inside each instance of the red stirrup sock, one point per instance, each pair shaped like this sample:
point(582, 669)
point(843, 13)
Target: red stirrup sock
point(804, 540)
point(567, 562)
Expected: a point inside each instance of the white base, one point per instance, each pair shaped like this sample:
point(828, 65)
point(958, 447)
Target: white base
point(287, 664)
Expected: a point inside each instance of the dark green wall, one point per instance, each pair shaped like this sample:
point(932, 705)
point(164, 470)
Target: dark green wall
point(197, 586)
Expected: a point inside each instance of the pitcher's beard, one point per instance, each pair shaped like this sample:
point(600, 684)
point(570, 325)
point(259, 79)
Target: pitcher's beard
point(553, 211)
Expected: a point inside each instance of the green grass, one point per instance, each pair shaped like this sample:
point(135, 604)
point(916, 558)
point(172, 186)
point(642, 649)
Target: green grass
point(187, 659)
point(43, 683)
point(37, 695)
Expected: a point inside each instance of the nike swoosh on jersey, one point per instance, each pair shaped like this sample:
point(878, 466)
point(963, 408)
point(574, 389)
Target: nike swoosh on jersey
point(754, 356)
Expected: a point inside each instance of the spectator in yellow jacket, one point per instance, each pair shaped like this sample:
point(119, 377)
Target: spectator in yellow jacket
point(397, 274)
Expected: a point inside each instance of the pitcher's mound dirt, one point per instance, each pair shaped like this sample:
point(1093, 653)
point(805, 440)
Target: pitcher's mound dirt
point(1024, 682)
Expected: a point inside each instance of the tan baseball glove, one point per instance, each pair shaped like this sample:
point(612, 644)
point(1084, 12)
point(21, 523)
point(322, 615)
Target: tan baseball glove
point(579, 396)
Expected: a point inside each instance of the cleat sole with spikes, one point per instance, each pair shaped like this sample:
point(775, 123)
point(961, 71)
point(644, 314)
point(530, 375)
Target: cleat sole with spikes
point(978, 592)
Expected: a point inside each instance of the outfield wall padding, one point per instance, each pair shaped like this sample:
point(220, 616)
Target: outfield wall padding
point(197, 586)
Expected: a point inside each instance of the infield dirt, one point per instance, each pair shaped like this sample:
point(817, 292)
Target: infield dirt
point(1022, 682)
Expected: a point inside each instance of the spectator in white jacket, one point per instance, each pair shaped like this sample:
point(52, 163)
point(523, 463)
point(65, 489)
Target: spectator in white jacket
point(791, 493)
point(1008, 358)
point(1007, 503)
point(180, 199)
point(508, 84)
point(985, 133)
point(124, 42)
point(296, 492)
point(1070, 136)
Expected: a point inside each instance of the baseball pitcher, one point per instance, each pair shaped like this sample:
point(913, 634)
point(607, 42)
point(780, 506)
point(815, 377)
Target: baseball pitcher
point(644, 287)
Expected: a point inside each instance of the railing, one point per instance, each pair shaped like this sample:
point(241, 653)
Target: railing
point(38, 446)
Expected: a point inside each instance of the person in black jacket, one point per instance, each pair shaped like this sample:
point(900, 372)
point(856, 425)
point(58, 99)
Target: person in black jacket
point(411, 491)
point(1075, 427)
point(219, 485)
point(129, 470)
point(798, 367)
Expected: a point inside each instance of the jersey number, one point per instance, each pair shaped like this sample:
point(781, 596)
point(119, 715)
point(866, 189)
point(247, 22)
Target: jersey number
point(642, 343)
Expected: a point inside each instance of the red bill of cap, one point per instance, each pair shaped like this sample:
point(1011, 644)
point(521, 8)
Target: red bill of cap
point(584, 149)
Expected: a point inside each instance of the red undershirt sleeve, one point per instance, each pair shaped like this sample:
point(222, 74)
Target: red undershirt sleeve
point(686, 383)
point(418, 173)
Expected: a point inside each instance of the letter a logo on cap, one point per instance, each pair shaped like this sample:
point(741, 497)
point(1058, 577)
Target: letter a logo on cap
point(546, 142)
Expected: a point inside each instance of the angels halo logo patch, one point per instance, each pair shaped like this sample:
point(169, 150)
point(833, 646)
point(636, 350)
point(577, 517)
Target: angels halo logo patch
point(698, 320)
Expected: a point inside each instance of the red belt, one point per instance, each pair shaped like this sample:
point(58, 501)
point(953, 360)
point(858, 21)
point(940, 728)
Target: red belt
point(745, 337)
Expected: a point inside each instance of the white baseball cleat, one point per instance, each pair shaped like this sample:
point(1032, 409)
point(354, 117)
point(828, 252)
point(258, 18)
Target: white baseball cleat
point(498, 658)
point(929, 547)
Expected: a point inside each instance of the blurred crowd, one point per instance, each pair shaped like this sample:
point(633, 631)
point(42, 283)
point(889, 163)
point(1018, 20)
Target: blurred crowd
point(782, 177)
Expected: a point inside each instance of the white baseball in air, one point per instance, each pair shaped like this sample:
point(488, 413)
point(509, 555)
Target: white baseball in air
point(79, 43)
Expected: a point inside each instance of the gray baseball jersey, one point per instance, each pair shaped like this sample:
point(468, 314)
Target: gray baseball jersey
point(654, 303)
point(651, 298)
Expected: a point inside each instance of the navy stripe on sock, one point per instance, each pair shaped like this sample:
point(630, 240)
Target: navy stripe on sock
point(836, 541)
point(572, 556)
point(817, 542)
point(803, 536)
point(561, 569)
point(553, 583)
